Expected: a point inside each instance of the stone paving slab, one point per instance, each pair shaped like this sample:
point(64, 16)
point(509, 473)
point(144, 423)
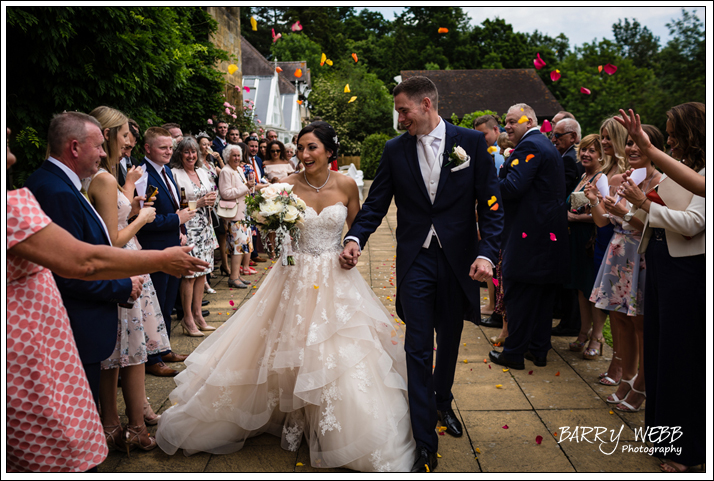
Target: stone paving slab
point(533, 402)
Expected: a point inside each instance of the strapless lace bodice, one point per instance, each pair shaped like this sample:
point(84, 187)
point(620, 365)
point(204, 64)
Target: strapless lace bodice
point(322, 233)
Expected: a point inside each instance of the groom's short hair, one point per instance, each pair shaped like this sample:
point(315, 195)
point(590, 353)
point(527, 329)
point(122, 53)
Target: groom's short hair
point(418, 87)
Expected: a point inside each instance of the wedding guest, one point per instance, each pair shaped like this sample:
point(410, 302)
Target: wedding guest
point(219, 143)
point(233, 186)
point(245, 135)
point(675, 296)
point(34, 245)
point(488, 125)
point(620, 284)
point(291, 155)
point(195, 181)
point(213, 163)
point(557, 118)
point(582, 240)
point(263, 148)
point(175, 131)
point(261, 182)
point(233, 136)
point(276, 165)
point(271, 135)
point(128, 161)
point(613, 137)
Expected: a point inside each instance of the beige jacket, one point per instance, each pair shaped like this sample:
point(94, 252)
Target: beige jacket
point(231, 186)
point(685, 215)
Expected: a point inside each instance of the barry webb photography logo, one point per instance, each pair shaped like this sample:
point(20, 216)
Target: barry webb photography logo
point(663, 438)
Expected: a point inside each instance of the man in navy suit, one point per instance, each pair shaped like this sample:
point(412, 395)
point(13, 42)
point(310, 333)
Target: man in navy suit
point(440, 260)
point(535, 239)
point(219, 143)
point(163, 232)
point(75, 141)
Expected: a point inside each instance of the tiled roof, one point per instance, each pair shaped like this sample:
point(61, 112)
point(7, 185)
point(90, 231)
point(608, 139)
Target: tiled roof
point(465, 91)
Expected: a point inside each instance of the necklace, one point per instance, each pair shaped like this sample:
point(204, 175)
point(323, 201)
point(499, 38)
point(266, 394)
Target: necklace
point(317, 189)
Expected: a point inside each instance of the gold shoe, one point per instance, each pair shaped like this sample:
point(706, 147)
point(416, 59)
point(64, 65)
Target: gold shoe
point(205, 327)
point(189, 332)
point(115, 437)
point(139, 436)
point(591, 353)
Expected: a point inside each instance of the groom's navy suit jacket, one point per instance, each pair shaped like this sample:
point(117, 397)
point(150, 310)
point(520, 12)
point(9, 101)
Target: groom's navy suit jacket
point(453, 211)
point(91, 305)
point(164, 231)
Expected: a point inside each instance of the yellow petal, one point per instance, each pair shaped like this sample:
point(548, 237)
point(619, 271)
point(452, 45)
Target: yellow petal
point(328, 62)
point(523, 119)
point(427, 468)
point(232, 68)
point(612, 412)
point(505, 370)
point(315, 286)
point(492, 149)
point(299, 464)
point(438, 455)
point(441, 429)
point(352, 99)
point(478, 450)
point(466, 361)
point(514, 163)
point(323, 58)
point(492, 200)
point(253, 24)
point(499, 386)
point(347, 88)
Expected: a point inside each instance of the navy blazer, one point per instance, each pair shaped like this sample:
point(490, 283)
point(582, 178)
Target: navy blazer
point(218, 146)
point(535, 237)
point(574, 170)
point(91, 305)
point(164, 231)
point(452, 213)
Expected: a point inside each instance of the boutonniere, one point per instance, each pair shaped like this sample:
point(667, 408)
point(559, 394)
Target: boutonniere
point(507, 153)
point(458, 156)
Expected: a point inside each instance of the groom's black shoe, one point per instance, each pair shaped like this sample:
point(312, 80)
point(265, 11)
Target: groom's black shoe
point(501, 359)
point(496, 320)
point(424, 460)
point(451, 422)
point(538, 361)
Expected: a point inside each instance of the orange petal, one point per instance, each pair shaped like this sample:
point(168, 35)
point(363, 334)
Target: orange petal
point(298, 73)
point(278, 69)
point(443, 30)
point(529, 157)
point(495, 207)
point(557, 373)
point(354, 56)
point(599, 68)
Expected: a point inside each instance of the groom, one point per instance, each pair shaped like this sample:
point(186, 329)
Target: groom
point(440, 260)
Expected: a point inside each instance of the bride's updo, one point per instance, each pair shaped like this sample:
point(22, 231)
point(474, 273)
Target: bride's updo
point(326, 134)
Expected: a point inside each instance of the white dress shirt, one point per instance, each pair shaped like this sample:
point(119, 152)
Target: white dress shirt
point(158, 168)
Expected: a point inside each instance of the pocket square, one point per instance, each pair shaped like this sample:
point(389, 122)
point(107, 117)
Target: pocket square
point(462, 166)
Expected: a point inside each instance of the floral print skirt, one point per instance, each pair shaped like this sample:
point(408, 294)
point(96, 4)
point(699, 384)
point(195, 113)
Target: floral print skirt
point(620, 282)
point(240, 238)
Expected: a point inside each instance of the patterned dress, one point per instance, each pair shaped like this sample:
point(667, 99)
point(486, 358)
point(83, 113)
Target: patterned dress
point(52, 422)
point(200, 233)
point(141, 329)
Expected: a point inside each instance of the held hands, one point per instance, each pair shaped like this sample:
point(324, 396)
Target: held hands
point(481, 270)
point(179, 263)
point(137, 283)
point(185, 215)
point(350, 255)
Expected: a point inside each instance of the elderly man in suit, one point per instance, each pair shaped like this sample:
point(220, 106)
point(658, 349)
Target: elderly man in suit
point(436, 173)
point(164, 232)
point(535, 247)
point(75, 143)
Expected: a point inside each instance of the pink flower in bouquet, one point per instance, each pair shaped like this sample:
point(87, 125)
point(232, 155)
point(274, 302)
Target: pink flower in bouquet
point(210, 122)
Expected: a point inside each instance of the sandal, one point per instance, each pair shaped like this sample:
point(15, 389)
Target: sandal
point(115, 437)
point(628, 407)
point(247, 271)
point(592, 353)
point(208, 289)
point(150, 417)
point(578, 345)
point(139, 436)
point(615, 399)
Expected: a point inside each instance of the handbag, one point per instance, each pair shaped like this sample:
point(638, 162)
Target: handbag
point(227, 209)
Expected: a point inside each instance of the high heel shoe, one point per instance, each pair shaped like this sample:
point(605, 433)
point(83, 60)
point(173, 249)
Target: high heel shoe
point(577, 345)
point(205, 327)
point(628, 406)
point(188, 332)
point(208, 289)
point(615, 399)
point(236, 284)
point(115, 437)
point(591, 353)
point(139, 436)
point(150, 417)
point(225, 270)
point(247, 271)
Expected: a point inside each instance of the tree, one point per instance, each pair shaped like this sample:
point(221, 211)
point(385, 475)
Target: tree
point(298, 46)
point(154, 64)
point(636, 42)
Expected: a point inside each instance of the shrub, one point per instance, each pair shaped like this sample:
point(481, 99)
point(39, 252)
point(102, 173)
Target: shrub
point(372, 148)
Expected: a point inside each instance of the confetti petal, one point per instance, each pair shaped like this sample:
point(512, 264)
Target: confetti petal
point(354, 56)
point(232, 68)
point(612, 412)
point(505, 369)
point(610, 69)
point(524, 235)
point(438, 455)
point(552, 237)
point(315, 286)
point(328, 62)
point(478, 451)
point(231, 303)
point(443, 30)
point(278, 69)
point(546, 127)
point(499, 386)
point(599, 68)
point(529, 157)
point(441, 429)
point(466, 361)
point(299, 464)
point(253, 24)
point(489, 366)
point(247, 89)
point(296, 27)
point(539, 439)
point(495, 281)
point(555, 75)
point(275, 37)
point(494, 207)
point(299, 103)
point(322, 59)
point(585, 91)
point(427, 466)
point(298, 73)
point(505, 426)
point(514, 163)
point(557, 373)
point(492, 200)
point(538, 62)
point(523, 119)
point(485, 361)
point(492, 149)
point(394, 342)
point(530, 372)
point(347, 88)
point(352, 99)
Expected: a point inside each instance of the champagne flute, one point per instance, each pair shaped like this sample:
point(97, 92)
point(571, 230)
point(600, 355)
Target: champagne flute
point(251, 178)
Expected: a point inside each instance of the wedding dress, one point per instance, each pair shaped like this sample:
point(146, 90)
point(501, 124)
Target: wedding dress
point(314, 353)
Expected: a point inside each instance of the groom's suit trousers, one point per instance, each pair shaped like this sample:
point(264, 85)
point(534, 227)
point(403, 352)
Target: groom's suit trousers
point(432, 299)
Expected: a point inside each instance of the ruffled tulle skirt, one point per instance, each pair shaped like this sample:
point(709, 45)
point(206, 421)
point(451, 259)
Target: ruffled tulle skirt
point(313, 354)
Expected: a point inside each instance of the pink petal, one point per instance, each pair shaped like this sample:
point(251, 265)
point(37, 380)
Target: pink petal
point(231, 303)
point(296, 26)
point(554, 75)
point(210, 122)
point(546, 127)
point(247, 89)
point(495, 282)
point(539, 439)
point(524, 235)
point(552, 237)
point(610, 69)
point(538, 62)
point(505, 426)
point(530, 372)
point(585, 91)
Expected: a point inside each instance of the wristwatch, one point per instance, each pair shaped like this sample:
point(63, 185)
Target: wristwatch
point(628, 217)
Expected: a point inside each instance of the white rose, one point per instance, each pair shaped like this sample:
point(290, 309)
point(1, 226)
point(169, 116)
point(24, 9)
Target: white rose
point(270, 208)
point(291, 214)
point(270, 192)
point(460, 153)
point(300, 203)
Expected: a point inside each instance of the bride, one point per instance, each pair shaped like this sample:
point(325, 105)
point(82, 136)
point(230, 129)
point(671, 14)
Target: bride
point(313, 354)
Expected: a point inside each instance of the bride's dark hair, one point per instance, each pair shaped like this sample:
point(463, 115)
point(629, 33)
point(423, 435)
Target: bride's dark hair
point(325, 134)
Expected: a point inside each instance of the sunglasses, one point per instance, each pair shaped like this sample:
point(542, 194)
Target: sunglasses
point(557, 136)
point(274, 151)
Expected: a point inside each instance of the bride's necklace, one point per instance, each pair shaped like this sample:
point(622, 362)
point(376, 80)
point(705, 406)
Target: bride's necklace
point(317, 189)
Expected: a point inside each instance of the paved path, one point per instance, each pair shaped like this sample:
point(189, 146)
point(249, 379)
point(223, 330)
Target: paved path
point(538, 402)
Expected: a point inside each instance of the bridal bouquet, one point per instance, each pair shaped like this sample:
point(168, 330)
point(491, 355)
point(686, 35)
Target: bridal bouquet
point(276, 209)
